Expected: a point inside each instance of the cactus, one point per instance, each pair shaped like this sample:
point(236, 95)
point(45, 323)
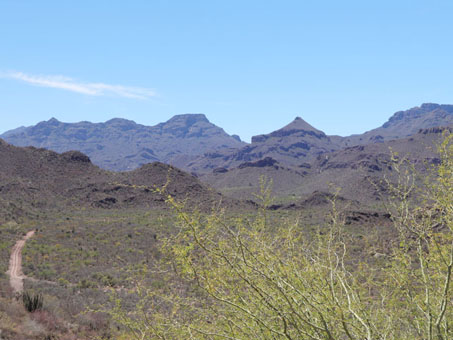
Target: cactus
point(32, 303)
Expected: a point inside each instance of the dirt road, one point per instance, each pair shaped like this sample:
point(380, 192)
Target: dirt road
point(16, 277)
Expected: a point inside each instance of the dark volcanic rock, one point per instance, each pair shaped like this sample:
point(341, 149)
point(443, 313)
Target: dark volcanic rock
point(76, 156)
point(438, 129)
point(268, 161)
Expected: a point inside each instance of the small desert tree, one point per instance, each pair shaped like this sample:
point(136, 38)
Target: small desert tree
point(239, 278)
point(418, 279)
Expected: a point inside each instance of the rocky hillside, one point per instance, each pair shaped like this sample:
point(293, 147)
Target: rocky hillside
point(353, 169)
point(292, 145)
point(406, 123)
point(298, 142)
point(33, 181)
point(121, 144)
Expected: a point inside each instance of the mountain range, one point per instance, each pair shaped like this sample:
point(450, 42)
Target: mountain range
point(121, 144)
point(299, 142)
point(192, 143)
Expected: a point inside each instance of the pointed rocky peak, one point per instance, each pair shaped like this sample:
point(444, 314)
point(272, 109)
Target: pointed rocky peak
point(299, 124)
point(53, 121)
point(44, 127)
point(297, 127)
point(49, 123)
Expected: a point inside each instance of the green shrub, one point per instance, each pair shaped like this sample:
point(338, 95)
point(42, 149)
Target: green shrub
point(83, 284)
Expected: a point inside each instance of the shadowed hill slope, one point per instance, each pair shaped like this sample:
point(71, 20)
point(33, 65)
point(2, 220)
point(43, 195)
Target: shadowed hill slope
point(33, 180)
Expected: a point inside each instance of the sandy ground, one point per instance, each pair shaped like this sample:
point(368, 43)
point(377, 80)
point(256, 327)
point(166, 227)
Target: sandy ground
point(16, 277)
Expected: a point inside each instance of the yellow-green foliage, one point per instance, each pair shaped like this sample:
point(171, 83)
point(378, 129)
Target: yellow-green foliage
point(248, 279)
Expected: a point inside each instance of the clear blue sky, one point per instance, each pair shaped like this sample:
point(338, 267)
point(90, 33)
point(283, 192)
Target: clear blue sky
point(250, 66)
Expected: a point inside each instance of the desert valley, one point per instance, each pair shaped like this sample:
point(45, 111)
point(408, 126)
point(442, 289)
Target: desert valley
point(102, 199)
point(226, 170)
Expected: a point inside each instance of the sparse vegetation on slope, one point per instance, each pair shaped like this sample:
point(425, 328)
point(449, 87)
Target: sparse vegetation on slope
point(247, 279)
point(97, 230)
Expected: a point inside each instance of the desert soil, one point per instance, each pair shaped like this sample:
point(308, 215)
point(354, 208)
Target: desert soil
point(16, 277)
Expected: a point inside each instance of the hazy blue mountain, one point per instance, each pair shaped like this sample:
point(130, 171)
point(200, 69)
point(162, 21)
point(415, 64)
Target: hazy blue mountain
point(121, 144)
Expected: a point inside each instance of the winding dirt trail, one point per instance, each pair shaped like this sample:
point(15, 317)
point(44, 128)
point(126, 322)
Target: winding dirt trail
point(16, 277)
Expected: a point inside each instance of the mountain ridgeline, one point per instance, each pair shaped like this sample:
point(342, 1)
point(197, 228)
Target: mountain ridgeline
point(121, 144)
point(192, 143)
point(298, 142)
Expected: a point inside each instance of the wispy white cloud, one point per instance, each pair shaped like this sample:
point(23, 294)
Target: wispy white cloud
point(91, 89)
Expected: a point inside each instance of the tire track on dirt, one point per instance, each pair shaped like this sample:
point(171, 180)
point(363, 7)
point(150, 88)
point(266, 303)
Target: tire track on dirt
point(16, 277)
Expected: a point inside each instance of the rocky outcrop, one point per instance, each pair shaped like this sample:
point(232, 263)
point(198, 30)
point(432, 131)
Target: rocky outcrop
point(268, 161)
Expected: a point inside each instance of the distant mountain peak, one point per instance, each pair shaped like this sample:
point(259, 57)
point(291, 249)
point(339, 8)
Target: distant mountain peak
point(297, 128)
point(429, 106)
point(50, 123)
point(188, 118)
point(432, 106)
point(47, 124)
point(119, 120)
point(53, 120)
point(299, 124)
point(434, 112)
point(122, 124)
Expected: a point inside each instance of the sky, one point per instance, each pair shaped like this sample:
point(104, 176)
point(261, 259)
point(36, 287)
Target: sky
point(250, 66)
